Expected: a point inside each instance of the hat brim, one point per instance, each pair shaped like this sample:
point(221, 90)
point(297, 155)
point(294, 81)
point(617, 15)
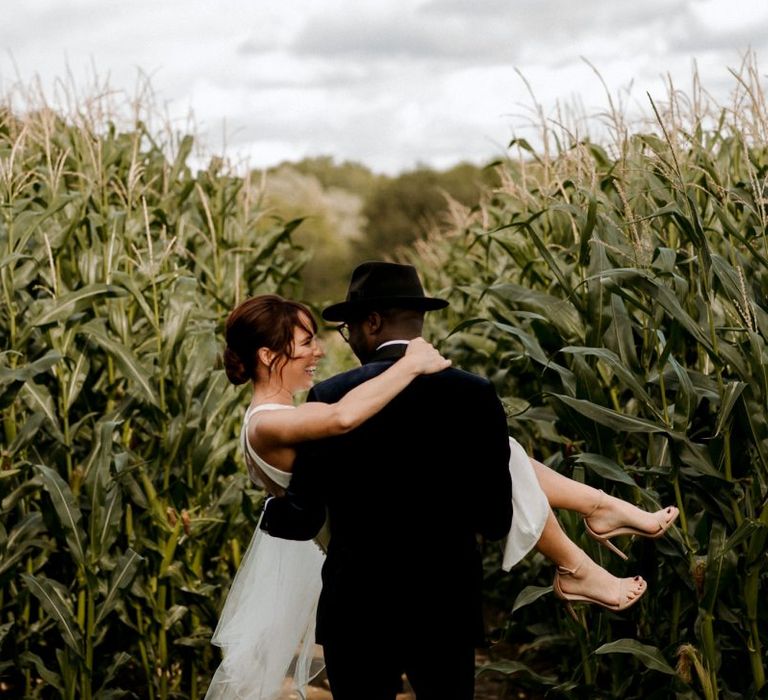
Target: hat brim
point(345, 310)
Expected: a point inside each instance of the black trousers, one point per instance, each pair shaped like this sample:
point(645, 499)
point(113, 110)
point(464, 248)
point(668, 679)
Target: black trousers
point(362, 668)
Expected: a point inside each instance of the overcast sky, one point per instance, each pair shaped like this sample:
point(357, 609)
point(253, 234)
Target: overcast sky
point(391, 84)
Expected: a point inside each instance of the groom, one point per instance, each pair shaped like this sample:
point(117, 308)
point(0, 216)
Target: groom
point(407, 492)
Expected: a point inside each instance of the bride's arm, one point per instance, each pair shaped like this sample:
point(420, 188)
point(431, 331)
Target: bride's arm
point(315, 420)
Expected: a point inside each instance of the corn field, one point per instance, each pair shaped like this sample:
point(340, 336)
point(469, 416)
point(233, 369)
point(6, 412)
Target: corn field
point(616, 295)
point(123, 510)
point(614, 292)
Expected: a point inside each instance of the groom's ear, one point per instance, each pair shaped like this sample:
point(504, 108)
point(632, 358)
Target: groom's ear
point(374, 321)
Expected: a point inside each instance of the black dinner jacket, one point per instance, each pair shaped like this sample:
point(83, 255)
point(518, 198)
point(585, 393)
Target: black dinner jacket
point(406, 494)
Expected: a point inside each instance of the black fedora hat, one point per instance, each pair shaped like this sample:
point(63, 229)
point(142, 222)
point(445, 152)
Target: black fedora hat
point(380, 285)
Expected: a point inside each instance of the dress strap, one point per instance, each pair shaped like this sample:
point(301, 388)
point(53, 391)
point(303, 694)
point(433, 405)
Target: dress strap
point(279, 476)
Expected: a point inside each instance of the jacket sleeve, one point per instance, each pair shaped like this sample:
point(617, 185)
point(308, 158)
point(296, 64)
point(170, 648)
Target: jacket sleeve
point(300, 513)
point(491, 495)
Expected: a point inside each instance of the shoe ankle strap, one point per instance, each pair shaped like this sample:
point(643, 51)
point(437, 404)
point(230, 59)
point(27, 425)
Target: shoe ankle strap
point(600, 500)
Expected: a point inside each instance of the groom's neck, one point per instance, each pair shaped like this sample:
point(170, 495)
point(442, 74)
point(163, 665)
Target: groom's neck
point(400, 324)
point(397, 333)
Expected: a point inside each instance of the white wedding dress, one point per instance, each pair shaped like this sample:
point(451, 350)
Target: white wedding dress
point(267, 627)
point(530, 508)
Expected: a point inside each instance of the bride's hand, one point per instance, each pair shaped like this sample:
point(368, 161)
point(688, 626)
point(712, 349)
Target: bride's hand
point(424, 357)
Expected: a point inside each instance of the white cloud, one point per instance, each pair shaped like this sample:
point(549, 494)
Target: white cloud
point(392, 85)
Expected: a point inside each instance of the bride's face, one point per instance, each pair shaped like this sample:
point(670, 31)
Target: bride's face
point(298, 371)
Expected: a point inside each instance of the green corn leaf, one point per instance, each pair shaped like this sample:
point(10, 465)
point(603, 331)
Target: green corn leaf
point(559, 312)
point(556, 271)
point(77, 376)
point(12, 380)
point(8, 260)
point(526, 146)
point(119, 661)
point(665, 260)
point(756, 423)
point(467, 323)
point(30, 486)
point(25, 535)
point(66, 509)
point(121, 577)
point(27, 225)
point(63, 307)
point(604, 467)
point(53, 598)
point(714, 570)
point(535, 352)
point(648, 655)
point(96, 467)
point(199, 356)
point(529, 342)
point(742, 533)
point(183, 300)
point(128, 283)
point(515, 668)
point(174, 615)
point(528, 595)
point(110, 521)
point(619, 422)
point(39, 398)
point(686, 395)
point(731, 393)
point(126, 360)
point(4, 629)
point(52, 678)
point(618, 367)
point(586, 232)
point(621, 330)
point(267, 244)
point(200, 637)
point(179, 162)
point(26, 434)
point(696, 457)
point(31, 370)
point(662, 295)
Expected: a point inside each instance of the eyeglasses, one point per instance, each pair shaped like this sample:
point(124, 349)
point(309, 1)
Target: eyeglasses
point(343, 329)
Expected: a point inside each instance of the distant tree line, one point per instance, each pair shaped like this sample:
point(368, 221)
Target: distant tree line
point(351, 213)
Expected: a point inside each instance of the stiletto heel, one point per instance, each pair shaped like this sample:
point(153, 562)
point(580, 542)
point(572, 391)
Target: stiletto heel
point(570, 598)
point(604, 538)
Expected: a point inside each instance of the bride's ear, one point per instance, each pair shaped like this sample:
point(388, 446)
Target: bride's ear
point(266, 356)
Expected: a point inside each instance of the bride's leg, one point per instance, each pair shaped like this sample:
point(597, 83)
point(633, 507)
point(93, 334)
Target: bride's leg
point(589, 579)
point(563, 492)
point(605, 512)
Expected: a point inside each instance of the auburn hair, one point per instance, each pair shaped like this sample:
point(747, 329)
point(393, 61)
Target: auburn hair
point(265, 321)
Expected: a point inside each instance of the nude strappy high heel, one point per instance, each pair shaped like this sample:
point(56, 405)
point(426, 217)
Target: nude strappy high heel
point(569, 598)
point(604, 538)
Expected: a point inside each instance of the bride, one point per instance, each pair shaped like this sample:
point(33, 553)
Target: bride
point(266, 629)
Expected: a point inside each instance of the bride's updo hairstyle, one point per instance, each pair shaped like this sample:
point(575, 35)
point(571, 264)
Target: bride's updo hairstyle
point(265, 321)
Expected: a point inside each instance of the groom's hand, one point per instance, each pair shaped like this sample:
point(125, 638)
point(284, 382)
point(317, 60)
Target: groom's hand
point(289, 518)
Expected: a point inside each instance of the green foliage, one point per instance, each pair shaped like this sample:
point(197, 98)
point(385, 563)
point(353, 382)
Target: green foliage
point(355, 178)
point(350, 214)
point(331, 221)
point(617, 300)
point(123, 508)
point(405, 208)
